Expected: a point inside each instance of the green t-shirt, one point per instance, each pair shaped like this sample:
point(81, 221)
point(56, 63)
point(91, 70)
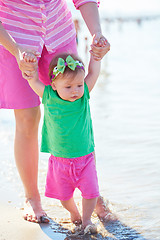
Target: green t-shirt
point(67, 126)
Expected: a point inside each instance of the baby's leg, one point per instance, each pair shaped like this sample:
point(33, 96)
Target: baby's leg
point(72, 208)
point(88, 206)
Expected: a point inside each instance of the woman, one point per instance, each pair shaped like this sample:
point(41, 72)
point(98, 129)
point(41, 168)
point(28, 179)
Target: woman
point(44, 27)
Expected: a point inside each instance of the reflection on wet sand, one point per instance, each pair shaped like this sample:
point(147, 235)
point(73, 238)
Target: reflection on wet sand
point(107, 230)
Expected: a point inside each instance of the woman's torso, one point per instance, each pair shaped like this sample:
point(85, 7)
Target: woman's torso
point(35, 23)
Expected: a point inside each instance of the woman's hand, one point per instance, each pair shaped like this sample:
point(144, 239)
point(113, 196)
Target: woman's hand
point(100, 46)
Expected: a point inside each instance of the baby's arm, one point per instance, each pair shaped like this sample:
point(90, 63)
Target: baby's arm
point(94, 65)
point(93, 73)
point(32, 76)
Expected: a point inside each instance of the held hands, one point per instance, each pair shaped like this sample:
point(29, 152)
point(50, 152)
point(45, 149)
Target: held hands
point(32, 76)
point(27, 63)
point(30, 65)
point(100, 46)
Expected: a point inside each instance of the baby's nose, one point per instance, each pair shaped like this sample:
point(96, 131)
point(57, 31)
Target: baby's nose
point(75, 90)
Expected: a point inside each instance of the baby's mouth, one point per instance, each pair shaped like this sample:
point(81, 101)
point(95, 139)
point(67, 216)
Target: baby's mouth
point(74, 97)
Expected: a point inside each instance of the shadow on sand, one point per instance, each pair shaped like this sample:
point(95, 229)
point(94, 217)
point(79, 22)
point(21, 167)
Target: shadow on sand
point(113, 230)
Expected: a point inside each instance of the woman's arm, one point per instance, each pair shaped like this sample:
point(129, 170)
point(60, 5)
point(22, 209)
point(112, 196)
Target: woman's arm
point(90, 14)
point(10, 44)
point(100, 46)
point(93, 73)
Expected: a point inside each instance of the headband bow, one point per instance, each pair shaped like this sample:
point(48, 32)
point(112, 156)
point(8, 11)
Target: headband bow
point(61, 65)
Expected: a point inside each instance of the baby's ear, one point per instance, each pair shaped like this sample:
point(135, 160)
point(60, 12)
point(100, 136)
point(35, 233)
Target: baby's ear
point(53, 86)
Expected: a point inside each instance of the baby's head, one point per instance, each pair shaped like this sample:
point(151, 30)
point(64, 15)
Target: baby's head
point(67, 76)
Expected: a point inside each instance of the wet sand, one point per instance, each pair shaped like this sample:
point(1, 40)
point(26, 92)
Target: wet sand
point(13, 227)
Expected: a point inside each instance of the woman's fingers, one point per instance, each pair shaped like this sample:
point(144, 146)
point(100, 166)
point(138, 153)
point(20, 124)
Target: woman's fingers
point(96, 38)
point(99, 40)
point(102, 42)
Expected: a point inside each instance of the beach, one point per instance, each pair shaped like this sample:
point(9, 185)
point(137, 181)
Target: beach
point(125, 107)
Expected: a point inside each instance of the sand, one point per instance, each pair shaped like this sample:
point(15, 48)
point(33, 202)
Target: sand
point(13, 227)
point(12, 224)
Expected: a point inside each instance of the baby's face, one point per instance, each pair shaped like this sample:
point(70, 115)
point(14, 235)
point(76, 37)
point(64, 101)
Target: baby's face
point(70, 89)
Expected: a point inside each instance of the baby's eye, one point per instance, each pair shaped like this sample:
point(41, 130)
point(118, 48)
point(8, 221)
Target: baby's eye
point(68, 87)
point(80, 85)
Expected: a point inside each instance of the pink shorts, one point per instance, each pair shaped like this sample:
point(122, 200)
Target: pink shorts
point(66, 174)
point(15, 92)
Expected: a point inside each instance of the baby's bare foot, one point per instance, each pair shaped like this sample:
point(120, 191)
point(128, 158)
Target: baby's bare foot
point(82, 230)
point(90, 229)
point(76, 219)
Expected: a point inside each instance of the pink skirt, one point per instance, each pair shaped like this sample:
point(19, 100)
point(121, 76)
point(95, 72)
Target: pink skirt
point(15, 92)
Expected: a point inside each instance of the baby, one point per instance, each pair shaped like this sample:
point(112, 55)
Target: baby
point(67, 133)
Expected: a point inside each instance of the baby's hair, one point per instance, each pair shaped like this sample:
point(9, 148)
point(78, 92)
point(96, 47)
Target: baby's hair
point(67, 70)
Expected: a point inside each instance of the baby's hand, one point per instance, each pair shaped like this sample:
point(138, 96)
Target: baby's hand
point(29, 57)
point(30, 75)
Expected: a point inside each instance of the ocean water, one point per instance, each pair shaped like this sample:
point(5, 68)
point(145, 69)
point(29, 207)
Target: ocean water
point(125, 106)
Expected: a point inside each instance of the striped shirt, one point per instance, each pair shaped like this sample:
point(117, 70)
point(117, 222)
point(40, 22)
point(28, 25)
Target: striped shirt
point(35, 23)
